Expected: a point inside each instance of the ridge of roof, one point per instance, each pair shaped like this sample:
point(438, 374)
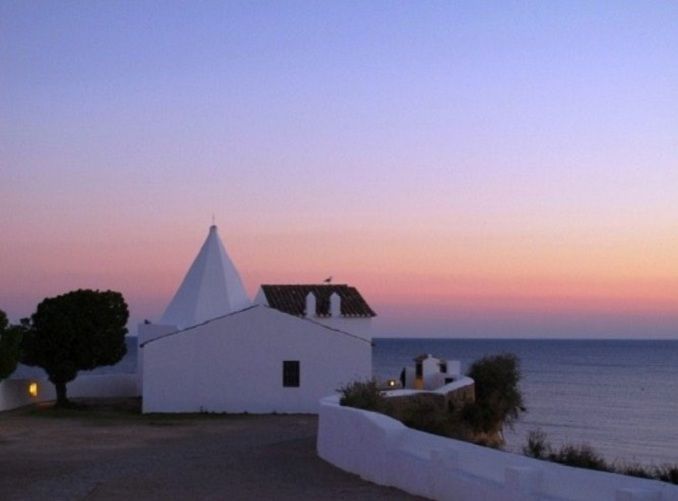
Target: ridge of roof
point(233, 313)
point(211, 286)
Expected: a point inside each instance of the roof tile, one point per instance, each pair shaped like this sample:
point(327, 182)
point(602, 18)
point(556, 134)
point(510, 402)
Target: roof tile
point(292, 299)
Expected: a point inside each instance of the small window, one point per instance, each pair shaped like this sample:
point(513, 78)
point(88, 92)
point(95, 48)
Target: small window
point(443, 367)
point(291, 373)
point(419, 371)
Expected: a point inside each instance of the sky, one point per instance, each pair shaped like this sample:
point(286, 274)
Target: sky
point(476, 169)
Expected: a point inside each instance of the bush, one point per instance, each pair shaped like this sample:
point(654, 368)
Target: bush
point(666, 473)
point(580, 456)
point(498, 400)
point(584, 456)
point(363, 395)
point(632, 470)
point(424, 414)
point(537, 447)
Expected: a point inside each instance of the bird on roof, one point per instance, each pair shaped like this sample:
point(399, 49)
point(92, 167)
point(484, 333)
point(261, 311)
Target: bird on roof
point(328, 280)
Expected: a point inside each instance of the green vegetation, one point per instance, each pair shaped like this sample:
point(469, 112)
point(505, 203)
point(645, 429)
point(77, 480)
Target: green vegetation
point(10, 345)
point(79, 330)
point(584, 456)
point(418, 412)
point(424, 414)
point(498, 401)
point(364, 395)
point(580, 456)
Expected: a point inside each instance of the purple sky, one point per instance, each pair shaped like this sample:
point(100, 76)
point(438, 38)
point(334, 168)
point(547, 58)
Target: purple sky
point(480, 168)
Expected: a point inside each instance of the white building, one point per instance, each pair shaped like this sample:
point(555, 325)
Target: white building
point(430, 373)
point(254, 360)
point(212, 287)
point(213, 351)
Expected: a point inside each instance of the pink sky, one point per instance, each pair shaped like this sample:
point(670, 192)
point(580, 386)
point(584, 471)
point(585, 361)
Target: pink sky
point(500, 170)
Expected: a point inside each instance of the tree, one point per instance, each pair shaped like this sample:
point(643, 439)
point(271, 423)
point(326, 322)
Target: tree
point(79, 330)
point(498, 400)
point(10, 345)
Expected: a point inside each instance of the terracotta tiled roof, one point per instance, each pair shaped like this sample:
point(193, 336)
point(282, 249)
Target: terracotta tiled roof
point(292, 299)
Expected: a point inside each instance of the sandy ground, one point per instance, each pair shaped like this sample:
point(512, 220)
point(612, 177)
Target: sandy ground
point(107, 450)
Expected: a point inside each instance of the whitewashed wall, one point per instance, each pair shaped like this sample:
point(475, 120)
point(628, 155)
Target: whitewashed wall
point(234, 364)
point(14, 392)
point(145, 333)
point(360, 326)
point(384, 451)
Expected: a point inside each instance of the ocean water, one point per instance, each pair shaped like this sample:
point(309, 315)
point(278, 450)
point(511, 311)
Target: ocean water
point(620, 397)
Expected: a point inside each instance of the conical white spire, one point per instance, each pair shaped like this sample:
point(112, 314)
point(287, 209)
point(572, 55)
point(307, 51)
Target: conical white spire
point(211, 288)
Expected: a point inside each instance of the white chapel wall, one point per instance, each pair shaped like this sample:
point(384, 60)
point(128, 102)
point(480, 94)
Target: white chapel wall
point(234, 364)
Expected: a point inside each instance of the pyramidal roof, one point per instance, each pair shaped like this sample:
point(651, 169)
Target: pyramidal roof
point(211, 288)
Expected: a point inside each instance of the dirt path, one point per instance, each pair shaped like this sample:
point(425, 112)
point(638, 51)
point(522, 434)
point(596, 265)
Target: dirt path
point(110, 451)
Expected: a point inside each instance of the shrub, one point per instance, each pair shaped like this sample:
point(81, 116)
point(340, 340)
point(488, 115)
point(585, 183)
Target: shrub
point(584, 456)
point(537, 447)
point(632, 470)
point(666, 473)
point(580, 456)
point(498, 400)
point(363, 395)
point(422, 413)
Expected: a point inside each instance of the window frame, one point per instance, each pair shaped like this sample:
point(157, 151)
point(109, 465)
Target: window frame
point(291, 373)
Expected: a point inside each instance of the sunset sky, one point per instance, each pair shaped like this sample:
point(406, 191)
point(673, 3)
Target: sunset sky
point(496, 169)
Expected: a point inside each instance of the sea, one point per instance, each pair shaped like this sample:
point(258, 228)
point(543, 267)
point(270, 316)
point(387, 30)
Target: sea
point(618, 396)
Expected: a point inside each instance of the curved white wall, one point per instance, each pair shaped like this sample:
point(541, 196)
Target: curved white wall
point(384, 451)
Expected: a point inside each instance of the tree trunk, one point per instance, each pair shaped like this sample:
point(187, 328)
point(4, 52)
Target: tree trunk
point(62, 400)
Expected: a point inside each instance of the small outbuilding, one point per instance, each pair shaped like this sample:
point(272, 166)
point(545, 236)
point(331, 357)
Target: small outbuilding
point(430, 373)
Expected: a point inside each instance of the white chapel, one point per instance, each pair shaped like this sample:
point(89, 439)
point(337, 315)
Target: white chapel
point(214, 350)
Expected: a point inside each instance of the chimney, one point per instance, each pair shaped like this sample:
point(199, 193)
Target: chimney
point(335, 305)
point(310, 305)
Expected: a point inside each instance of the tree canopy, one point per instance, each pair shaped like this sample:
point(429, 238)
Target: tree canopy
point(79, 330)
point(498, 397)
point(10, 345)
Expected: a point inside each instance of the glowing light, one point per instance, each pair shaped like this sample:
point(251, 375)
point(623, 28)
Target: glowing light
point(33, 389)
